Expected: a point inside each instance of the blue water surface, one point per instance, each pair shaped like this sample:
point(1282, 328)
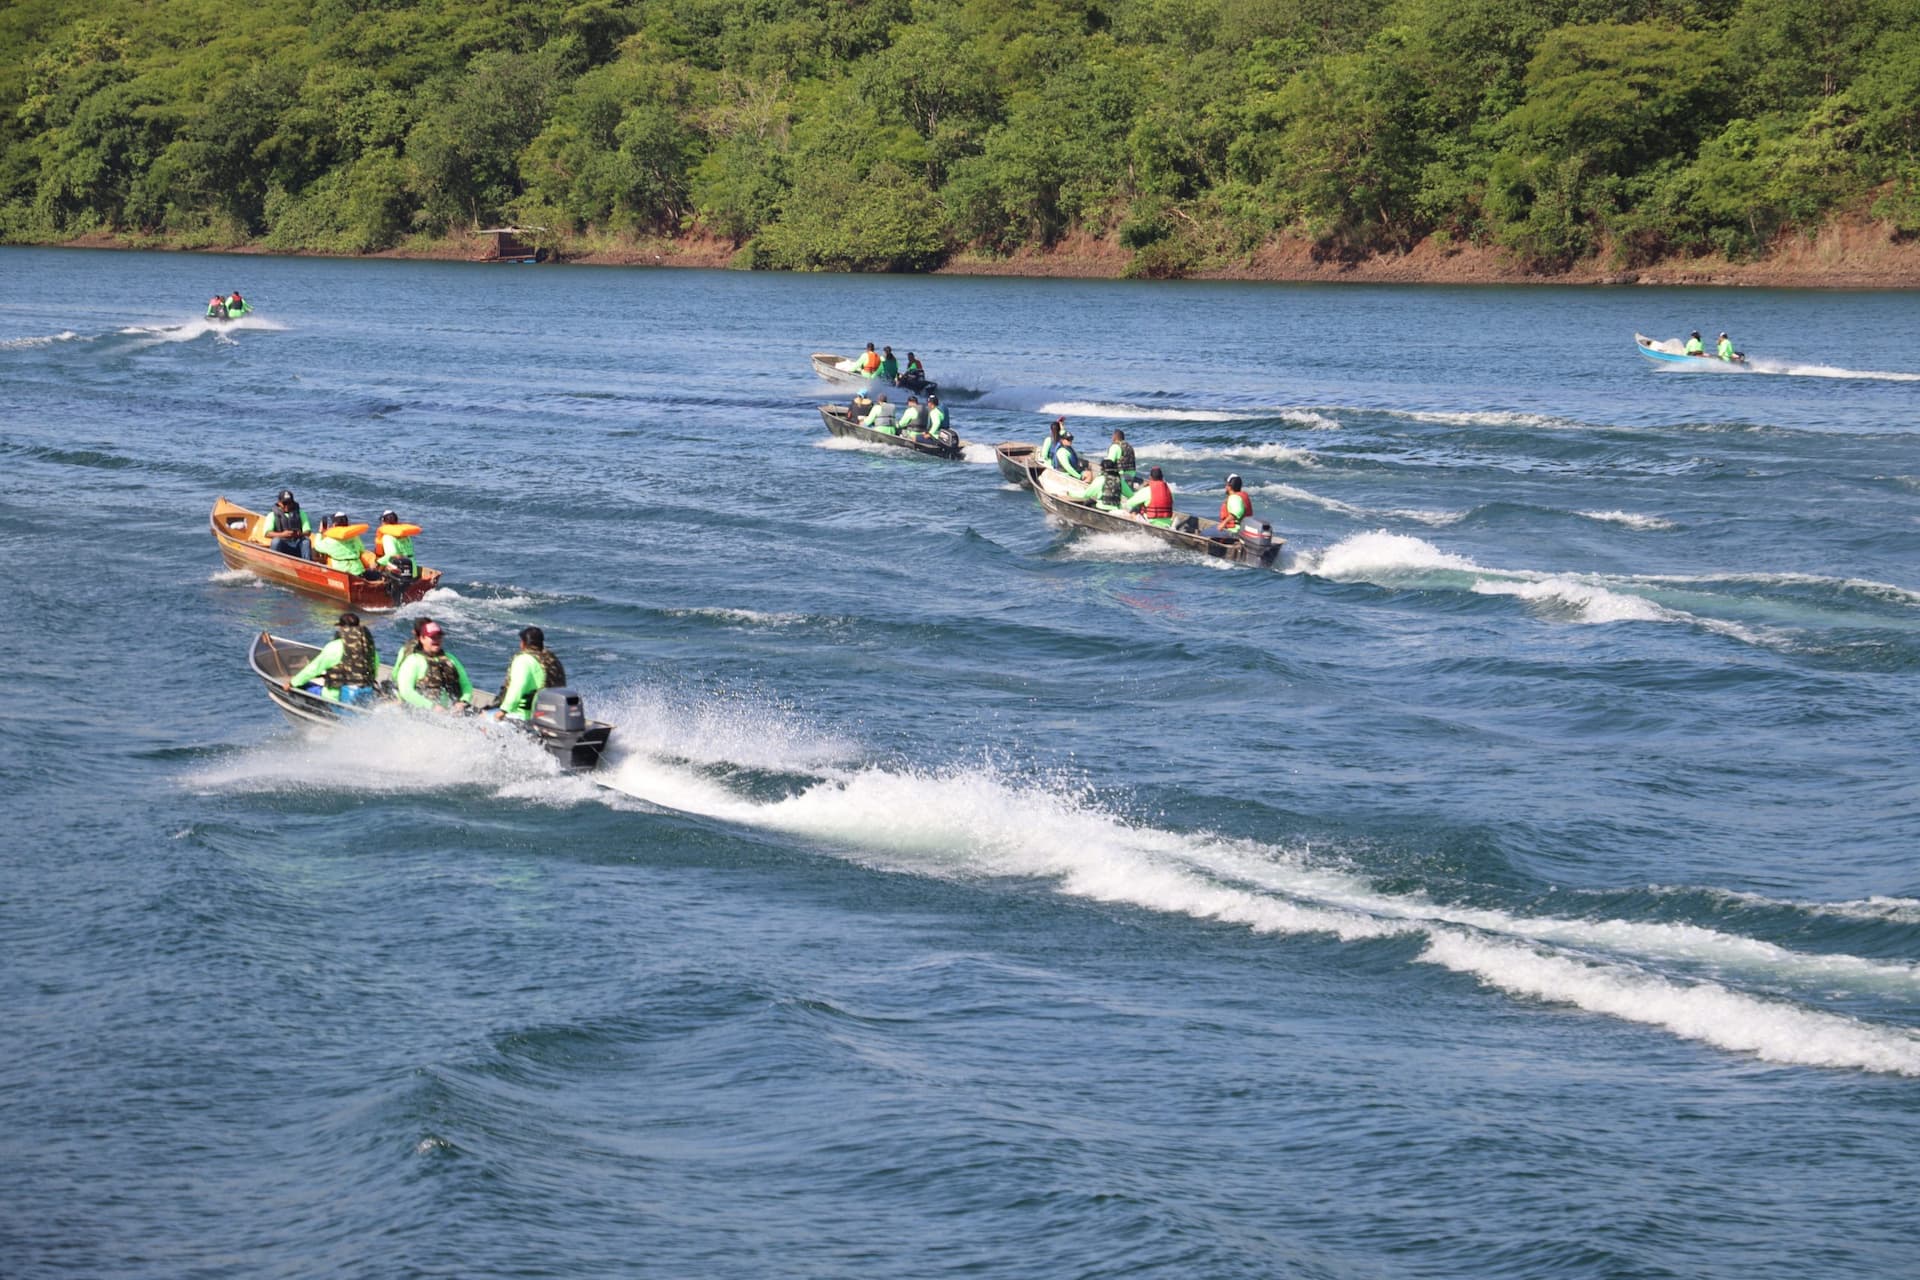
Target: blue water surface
point(1523, 881)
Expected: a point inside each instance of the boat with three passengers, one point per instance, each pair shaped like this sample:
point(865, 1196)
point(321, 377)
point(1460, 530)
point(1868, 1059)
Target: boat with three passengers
point(857, 371)
point(559, 719)
point(1058, 494)
point(839, 421)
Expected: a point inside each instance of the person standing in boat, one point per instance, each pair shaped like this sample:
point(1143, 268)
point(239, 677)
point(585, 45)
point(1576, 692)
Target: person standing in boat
point(1237, 508)
point(1153, 501)
point(1695, 347)
point(533, 668)
point(880, 417)
point(346, 666)
point(338, 543)
point(869, 362)
point(288, 529)
point(432, 678)
point(1122, 452)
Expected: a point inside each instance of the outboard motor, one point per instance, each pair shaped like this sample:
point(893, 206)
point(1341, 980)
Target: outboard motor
point(400, 576)
point(558, 711)
point(560, 721)
point(1257, 543)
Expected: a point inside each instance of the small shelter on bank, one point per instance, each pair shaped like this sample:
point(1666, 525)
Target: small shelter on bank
point(512, 244)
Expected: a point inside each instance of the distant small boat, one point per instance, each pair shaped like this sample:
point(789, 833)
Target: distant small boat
point(243, 545)
point(841, 423)
point(1673, 351)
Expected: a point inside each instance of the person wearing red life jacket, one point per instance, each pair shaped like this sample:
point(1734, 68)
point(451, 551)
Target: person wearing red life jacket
point(1153, 501)
point(1237, 508)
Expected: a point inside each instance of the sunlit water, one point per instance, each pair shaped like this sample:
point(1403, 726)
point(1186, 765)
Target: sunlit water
point(1525, 881)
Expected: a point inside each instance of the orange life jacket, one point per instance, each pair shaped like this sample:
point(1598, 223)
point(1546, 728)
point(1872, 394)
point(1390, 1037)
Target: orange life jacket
point(1159, 501)
point(1227, 519)
point(869, 362)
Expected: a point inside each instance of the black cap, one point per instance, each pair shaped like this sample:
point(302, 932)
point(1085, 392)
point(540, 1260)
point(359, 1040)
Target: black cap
point(286, 495)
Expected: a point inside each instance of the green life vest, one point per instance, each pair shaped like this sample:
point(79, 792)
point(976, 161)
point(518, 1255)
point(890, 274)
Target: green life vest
point(392, 545)
point(342, 557)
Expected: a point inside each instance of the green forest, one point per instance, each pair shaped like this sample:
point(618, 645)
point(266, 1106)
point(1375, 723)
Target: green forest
point(892, 134)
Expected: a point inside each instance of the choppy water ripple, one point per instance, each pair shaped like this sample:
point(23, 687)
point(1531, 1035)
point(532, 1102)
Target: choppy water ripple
point(966, 894)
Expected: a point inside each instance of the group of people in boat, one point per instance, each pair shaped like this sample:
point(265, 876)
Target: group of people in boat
point(1723, 350)
point(338, 543)
point(1117, 486)
point(231, 307)
point(883, 367)
point(924, 423)
point(425, 673)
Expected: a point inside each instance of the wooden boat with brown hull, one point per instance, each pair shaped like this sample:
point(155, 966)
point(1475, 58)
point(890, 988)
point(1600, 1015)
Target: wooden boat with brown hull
point(559, 719)
point(241, 537)
point(1017, 461)
point(841, 423)
point(1257, 547)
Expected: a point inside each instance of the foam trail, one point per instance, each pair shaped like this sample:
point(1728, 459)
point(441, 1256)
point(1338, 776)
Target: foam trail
point(977, 453)
point(1631, 519)
point(1271, 452)
point(47, 340)
point(1293, 493)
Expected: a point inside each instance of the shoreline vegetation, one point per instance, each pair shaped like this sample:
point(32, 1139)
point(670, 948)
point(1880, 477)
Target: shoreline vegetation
point(1734, 142)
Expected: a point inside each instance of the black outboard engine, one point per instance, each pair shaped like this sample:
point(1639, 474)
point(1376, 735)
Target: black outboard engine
point(400, 575)
point(560, 720)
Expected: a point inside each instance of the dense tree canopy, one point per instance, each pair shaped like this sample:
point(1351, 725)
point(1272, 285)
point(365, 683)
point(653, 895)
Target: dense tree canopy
point(887, 134)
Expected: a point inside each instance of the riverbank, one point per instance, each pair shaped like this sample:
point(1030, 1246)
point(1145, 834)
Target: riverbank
point(1845, 254)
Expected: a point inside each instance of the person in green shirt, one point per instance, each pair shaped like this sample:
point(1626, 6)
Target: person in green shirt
point(388, 547)
point(286, 527)
point(880, 417)
point(1122, 452)
point(910, 422)
point(1695, 347)
point(936, 416)
point(533, 668)
point(889, 367)
point(346, 665)
point(1726, 350)
point(1109, 490)
point(1153, 500)
point(342, 554)
point(432, 678)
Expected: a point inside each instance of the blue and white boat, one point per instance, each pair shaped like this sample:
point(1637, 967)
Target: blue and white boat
point(1674, 351)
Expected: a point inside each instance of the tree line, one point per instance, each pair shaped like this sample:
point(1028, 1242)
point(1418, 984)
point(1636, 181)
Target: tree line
point(889, 134)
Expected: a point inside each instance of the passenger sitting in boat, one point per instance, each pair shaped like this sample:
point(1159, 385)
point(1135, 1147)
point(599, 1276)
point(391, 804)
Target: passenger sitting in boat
point(533, 668)
point(910, 417)
point(1052, 442)
point(412, 645)
point(889, 367)
point(1153, 501)
point(912, 375)
point(432, 678)
point(1695, 347)
point(880, 417)
point(236, 305)
point(869, 362)
point(1067, 459)
point(1122, 452)
point(338, 543)
point(1109, 490)
point(346, 665)
point(216, 308)
point(936, 416)
point(1236, 509)
point(1726, 350)
point(392, 544)
point(287, 527)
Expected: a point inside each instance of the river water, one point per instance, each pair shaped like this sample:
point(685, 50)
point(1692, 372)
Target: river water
point(1524, 881)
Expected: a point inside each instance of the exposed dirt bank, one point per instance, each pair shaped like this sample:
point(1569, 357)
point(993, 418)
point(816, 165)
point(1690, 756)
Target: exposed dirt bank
point(1846, 254)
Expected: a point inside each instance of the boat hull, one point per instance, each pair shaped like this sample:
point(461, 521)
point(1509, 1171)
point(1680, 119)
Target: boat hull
point(275, 659)
point(233, 527)
point(840, 423)
point(1184, 534)
point(1648, 347)
point(827, 365)
point(1017, 462)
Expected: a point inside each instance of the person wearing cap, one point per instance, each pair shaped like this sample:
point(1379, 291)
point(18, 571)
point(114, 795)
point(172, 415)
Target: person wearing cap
point(1695, 347)
point(412, 644)
point(533, 668)
point(287, 527)
point(1122, 452)
point(388, 547)
point(1726, 351)
point(1153, 501)
point(911, 419)
point(1109, 490)
point(880, 417)
point(1067, 459)
point(1236, 509)
point(432, 678)
point(936, 416)
point(342, 552)
point(346, 665)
